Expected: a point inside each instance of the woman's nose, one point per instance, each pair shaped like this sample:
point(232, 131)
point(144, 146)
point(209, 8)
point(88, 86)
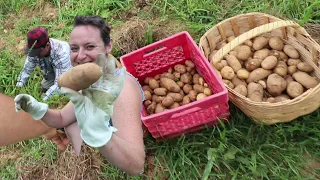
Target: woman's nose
point(81, 55)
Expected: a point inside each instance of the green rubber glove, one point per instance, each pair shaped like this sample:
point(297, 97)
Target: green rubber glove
point(94, 107)
point(30, 105)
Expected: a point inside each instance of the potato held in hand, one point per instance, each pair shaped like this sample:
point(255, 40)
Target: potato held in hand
point(80, 77)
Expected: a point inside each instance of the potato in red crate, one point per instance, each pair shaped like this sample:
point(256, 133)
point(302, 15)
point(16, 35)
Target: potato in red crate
point(183, 92)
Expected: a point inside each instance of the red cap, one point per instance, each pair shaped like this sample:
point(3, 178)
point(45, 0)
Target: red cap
point(37, 38)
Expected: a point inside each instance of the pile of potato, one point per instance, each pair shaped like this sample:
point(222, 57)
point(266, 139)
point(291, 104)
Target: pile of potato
point(178, 86)
point(265, 69)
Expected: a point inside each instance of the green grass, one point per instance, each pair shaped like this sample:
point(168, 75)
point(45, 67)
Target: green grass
point(239, 149)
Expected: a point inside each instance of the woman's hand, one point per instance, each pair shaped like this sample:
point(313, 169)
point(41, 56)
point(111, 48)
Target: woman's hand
point(94, 107)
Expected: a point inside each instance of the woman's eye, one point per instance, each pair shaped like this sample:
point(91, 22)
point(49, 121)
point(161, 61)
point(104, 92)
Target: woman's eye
point(90, 47)
point(74, 49)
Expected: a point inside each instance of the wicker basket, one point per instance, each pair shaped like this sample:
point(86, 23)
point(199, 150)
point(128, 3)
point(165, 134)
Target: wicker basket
point(248, 26)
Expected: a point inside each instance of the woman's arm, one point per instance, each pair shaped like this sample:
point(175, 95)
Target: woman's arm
point(125, 149)
point(61, 118)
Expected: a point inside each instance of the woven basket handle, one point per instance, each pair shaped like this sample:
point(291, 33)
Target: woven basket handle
point(251, 34)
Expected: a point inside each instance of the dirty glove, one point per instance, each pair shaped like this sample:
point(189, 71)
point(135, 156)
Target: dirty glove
point(30, 105)
point(94, 107)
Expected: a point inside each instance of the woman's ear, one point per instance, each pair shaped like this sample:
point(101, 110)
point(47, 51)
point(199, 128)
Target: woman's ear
point(109, 47)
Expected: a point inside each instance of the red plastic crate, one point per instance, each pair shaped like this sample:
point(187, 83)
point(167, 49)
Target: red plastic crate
point(157, 58)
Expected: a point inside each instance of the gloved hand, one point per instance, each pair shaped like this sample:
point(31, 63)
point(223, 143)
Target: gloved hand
point(94, 107)
point(30, 105)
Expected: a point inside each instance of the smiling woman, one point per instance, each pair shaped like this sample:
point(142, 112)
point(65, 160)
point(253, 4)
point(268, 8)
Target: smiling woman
point(105, 115)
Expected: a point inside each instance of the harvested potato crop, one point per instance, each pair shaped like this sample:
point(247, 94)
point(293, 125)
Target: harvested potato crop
point(282, 97)
point(263, 83)
point(172, 89)
point(170, 85)
point(248, 42)
point(243, 74)
point(236, 81)
point(159, 108)
point(283, 56)
point(255, 92)
point(176, 75)
point(201, 81)
point(253, 64)
point(146, 80)
point(186, 78)
point(189, 63)
point(167, 101)
point(293, 62)
point(243, 52)
point(151, 108)
point(153, 83)
point(305, 79)
point(260, 42)
point(167, 75)
point(276, 84)
point(176, 97)
point(147, 103)
point(160, 91)
point(180, 84)
point(201, 96)
point(80, 77)
point(174, 105)
point(261, 54)
point(147, 95)
point(193, 95)
point(230, 38)
point(157, 99)
point(271, 100)
point(291, 51)
point(224, 62)
point(189, 69)
point(195, 78)
point(233, 63)
point(294, 89)
point(281, 68)
point(292, 69)
point(228, 83)
point(234, 53)
point(207, 91)
point(187, 88)
point(218, 66)
point(258, 74)
point(198, 88)
point(180, 68)
point(276, 43)
point(186, 100)
point(241, 89)
point(227, 72)
point(302, 66)
point(269, 62)
point(147, 88)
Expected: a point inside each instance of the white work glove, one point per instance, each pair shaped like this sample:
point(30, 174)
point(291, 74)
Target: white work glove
point(30, 105)
point(94, 107)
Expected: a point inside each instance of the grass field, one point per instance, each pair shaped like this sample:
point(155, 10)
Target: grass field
point(239, 149)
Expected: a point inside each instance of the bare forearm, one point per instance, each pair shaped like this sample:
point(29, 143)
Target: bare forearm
point(53, 119)
point(60, 118)
point(16, 127)
point(126, 156)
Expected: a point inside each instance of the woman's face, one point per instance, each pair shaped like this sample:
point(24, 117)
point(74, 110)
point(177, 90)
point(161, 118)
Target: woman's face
point(86, 43)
